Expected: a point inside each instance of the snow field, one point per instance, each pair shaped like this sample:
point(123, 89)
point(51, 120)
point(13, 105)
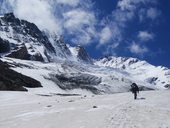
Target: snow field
point(25, 110)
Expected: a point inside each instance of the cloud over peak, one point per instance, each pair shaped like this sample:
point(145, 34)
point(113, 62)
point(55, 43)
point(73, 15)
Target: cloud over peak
point(105, 35)
point(145, 36)
point(153, 13)
point(69, 2)
point(137, 49)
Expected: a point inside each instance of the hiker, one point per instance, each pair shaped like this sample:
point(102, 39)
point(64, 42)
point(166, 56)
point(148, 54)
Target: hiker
point(134, 90)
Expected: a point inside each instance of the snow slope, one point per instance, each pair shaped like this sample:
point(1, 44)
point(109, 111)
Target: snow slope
point(69, 75)
point(140, 70)
point(27, 110)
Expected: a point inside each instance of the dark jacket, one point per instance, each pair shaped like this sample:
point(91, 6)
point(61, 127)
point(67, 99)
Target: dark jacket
point(134, 88)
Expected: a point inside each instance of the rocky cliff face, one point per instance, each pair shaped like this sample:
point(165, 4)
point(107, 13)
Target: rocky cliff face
point(62, 51)
point(4, 46)
point(24, 38)
point(81, 55)
point(12, 81)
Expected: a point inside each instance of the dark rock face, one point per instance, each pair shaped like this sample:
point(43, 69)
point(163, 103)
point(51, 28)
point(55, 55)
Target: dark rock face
point(22, 53)
point(167, 86)
point(133, 61)
point(10, 80)
point(60, 43)
point(82, 55)
point(4, 46)
point(77, 80)
point(152, 80)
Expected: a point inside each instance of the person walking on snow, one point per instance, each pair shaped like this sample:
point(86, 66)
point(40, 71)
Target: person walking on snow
point(134, 90)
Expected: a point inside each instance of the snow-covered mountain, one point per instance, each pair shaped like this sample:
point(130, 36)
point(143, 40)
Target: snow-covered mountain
point(141, 70)
point(23, 40)
point(80, 54)
point(25, 48)
point(65, 76)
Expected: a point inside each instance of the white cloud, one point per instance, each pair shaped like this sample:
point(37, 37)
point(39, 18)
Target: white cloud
point(39, 12)
point(5, 7)
point(133, 4)
point(145, 36)
point(69, 2)
point(105, 35)
point(116, 26)
point(139, 7)
point(84, 38)
point(142, 14)
point(77, 18)
point(131, 10)
point(153, 13)
point(137, 49)
point(126, 5)
point(122, 17)
point(82, 23)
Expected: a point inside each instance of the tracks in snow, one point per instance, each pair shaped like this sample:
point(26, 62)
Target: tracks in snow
point(134, 115)
point(120, 118)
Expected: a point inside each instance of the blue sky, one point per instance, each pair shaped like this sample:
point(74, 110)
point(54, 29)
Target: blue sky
point(158, 47)
point(130, 28)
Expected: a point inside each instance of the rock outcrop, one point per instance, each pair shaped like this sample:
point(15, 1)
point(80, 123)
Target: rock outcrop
point(10, 80)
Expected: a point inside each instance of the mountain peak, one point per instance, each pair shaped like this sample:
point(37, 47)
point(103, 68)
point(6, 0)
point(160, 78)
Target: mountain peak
point(83, 55)
point(25, 39)
point(9, 15)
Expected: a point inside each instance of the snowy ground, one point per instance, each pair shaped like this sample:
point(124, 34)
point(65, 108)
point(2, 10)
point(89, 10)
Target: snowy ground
point(28, 110)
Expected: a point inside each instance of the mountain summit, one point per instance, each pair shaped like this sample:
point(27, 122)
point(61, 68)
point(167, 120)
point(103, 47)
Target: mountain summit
point(24, 40)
